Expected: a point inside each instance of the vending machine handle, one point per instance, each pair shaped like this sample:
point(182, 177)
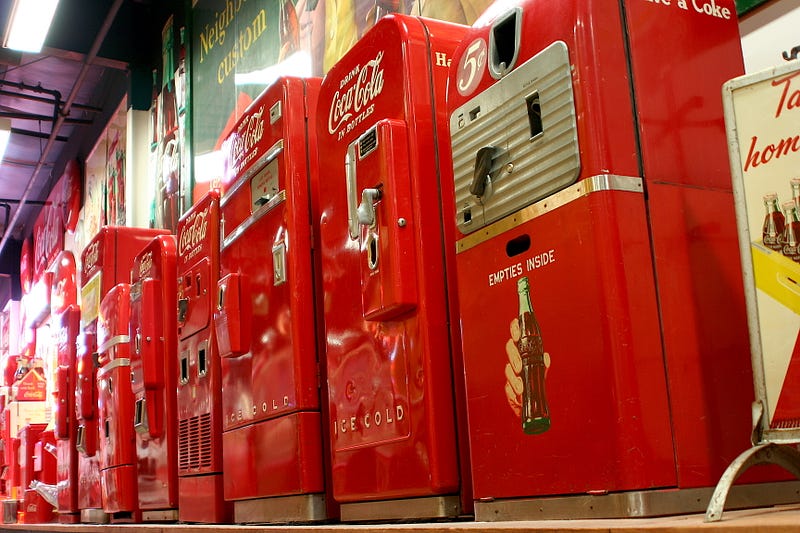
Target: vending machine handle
point(482, 176)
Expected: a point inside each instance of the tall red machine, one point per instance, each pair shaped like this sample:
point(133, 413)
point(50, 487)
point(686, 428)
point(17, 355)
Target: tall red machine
point(66, 316)
point(265, 317)
point(154, 330)
point(387, 273)
point(603, 319)
point(105, 262)
point(199, 401)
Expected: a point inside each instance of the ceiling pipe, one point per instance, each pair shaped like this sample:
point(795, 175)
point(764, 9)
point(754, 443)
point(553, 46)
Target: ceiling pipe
point(49, 101)
point(98, 41)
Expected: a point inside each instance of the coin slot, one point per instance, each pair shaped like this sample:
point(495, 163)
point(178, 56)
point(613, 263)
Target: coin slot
point(184, 368)
point(475, 113)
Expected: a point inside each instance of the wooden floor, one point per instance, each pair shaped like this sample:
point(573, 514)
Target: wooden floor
point(773, 519)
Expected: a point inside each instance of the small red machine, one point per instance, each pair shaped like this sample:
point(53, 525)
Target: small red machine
point(200, 496)
point(386, 264)
point(66, 316)
point(265, 318)
point(29, 437)
point(117, 445)
point(602, 311)
point(105, 262)
point(153, 330)
point(37, 505)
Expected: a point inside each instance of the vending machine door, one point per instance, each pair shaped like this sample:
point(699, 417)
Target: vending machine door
point(386, 256)
point(115, 403)
point(154, 327)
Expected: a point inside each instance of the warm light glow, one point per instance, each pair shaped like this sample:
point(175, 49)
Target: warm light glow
point(29, 23)
point(5, 135)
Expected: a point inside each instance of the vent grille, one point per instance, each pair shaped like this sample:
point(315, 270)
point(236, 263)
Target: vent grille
point(195, 443)
point(367, 143)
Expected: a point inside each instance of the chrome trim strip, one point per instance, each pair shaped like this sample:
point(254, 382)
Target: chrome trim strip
point(598, 183)
point(265, 159)
point(113, 341)
point(111, 365)
point(252, 219)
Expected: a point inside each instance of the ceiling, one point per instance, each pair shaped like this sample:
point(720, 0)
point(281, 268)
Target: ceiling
point(60, 100)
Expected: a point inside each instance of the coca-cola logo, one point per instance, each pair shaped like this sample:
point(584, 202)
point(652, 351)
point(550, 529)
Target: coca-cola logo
point(90, 256)
point(145, 264)
point(194, 232)
point(247, 136)
point(365, 84)
point(46, 239)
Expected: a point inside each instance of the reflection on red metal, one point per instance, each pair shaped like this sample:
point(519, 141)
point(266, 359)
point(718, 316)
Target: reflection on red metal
point(265, 316)
point(387, 265)
point(557, 131)
point(153, 330)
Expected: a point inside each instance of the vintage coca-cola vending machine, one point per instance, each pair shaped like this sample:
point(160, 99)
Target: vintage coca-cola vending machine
point(266, 313)
point(154, 330)
point(29, 436)
point(602, 314)
point(105, 262)
point(200, 497)
point(66, 317)
point(40, 502)
point(387, 259)
point(117, 443)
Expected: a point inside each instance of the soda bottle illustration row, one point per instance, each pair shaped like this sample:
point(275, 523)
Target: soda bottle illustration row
point(781, 228)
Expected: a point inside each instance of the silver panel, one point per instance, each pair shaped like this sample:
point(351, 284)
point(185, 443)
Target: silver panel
point(268, 156)
point(111, 365)
point(252, 219)
point(281, 510)
point(635, 504)
point(433, 507)
point(528, 167)
point(113, 341)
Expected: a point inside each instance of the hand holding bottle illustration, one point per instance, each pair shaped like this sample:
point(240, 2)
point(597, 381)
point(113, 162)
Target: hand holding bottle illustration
point(527, 367)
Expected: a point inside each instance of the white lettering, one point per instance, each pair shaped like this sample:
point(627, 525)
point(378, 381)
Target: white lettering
point(348, 102)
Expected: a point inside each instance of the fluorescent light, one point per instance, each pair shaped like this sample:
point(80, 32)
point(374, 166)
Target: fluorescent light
point(29, 22)
point(5, 135)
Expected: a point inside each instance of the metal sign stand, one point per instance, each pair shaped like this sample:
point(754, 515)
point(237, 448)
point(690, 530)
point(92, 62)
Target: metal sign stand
point(759, 112)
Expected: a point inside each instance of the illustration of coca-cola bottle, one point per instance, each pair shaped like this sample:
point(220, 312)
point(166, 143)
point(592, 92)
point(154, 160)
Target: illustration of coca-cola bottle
point(795, 184)
point(790, 239)
point(535, 413)
point(774, 223)
point(288, 29)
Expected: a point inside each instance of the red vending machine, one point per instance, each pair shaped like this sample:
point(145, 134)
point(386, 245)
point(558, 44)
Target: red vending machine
point(66, 316)
point(265, 317)
point(154, 331)
point(105, 262)
point(200, 495)
point(41, 498)
point(28, 438)
point(386, 274)
point(117, 444)
point(602, 315)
